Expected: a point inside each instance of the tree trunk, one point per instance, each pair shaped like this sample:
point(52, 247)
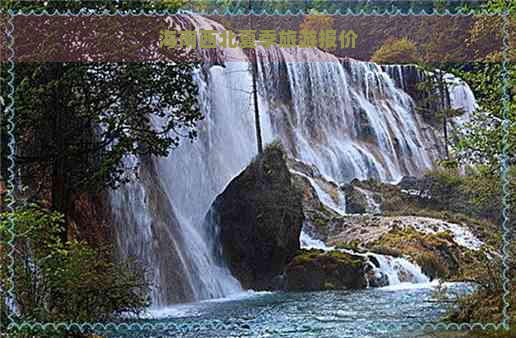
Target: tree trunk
point(254, 74)
point(259, 142)
point(60, 194)
point(445, 106)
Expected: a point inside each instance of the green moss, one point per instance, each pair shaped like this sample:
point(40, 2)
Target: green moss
point(436, 254)
point(484, 229)
point(386, 251)
point(346, 246)
point(446, 235)
point(325, 212)
point(319, 220)
point(305, 256)
point(354, 245)
point(314, 270)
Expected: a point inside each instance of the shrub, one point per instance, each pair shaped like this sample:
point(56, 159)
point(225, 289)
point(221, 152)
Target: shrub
point(478, 193)
point(66, 282)
point(396, 51)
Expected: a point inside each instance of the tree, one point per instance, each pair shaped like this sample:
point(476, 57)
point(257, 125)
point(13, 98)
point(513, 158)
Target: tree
point(317, 22)
point(483, 139)
point(76, 122)
point(254, 75)
point(486, 33)
point(396, 51)
point(434, 102)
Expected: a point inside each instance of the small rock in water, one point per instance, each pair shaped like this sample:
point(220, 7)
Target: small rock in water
point(377, 279)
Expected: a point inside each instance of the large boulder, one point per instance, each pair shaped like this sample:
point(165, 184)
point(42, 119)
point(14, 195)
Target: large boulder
point(259, 215)
point(313, 270)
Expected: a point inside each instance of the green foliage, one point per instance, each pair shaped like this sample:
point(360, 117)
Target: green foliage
point(481, 193)
point(485, 303)
point(78, 121)
point(317, 22)
point(70, 282)
point(432, 96)
point(485, 192)
point(486, 27)
point(87, 116)
point(481, 141)
point(396, 51)
point(477, 193)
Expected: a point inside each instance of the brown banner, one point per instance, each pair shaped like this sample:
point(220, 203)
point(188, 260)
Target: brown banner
point(296, 38)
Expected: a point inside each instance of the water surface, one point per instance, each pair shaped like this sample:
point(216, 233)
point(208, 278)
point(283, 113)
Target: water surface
point(365, 313)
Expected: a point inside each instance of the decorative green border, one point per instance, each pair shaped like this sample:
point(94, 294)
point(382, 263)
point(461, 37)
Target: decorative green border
point(106, 328)
point(506, 193)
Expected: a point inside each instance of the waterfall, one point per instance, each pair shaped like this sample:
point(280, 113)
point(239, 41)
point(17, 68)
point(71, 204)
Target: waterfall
point(348, 119)
point(397, 269)
point(461, 96)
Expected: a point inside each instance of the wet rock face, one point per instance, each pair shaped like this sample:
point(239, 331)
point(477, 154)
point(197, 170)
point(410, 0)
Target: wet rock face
point(356, 202)
point(317, 216)
point(260, 215)
point(313, 270)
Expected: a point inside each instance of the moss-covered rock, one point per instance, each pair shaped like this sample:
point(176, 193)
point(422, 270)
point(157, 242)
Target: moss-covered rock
point(437, 254)
point(313, 270)
point(260, 215)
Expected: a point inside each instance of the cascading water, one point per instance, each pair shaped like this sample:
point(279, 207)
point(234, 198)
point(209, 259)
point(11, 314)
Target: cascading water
point(338, 206)
point(347, 119)
point(397, 269)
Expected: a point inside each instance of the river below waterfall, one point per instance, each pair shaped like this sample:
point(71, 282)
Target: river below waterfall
point(373, 312)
